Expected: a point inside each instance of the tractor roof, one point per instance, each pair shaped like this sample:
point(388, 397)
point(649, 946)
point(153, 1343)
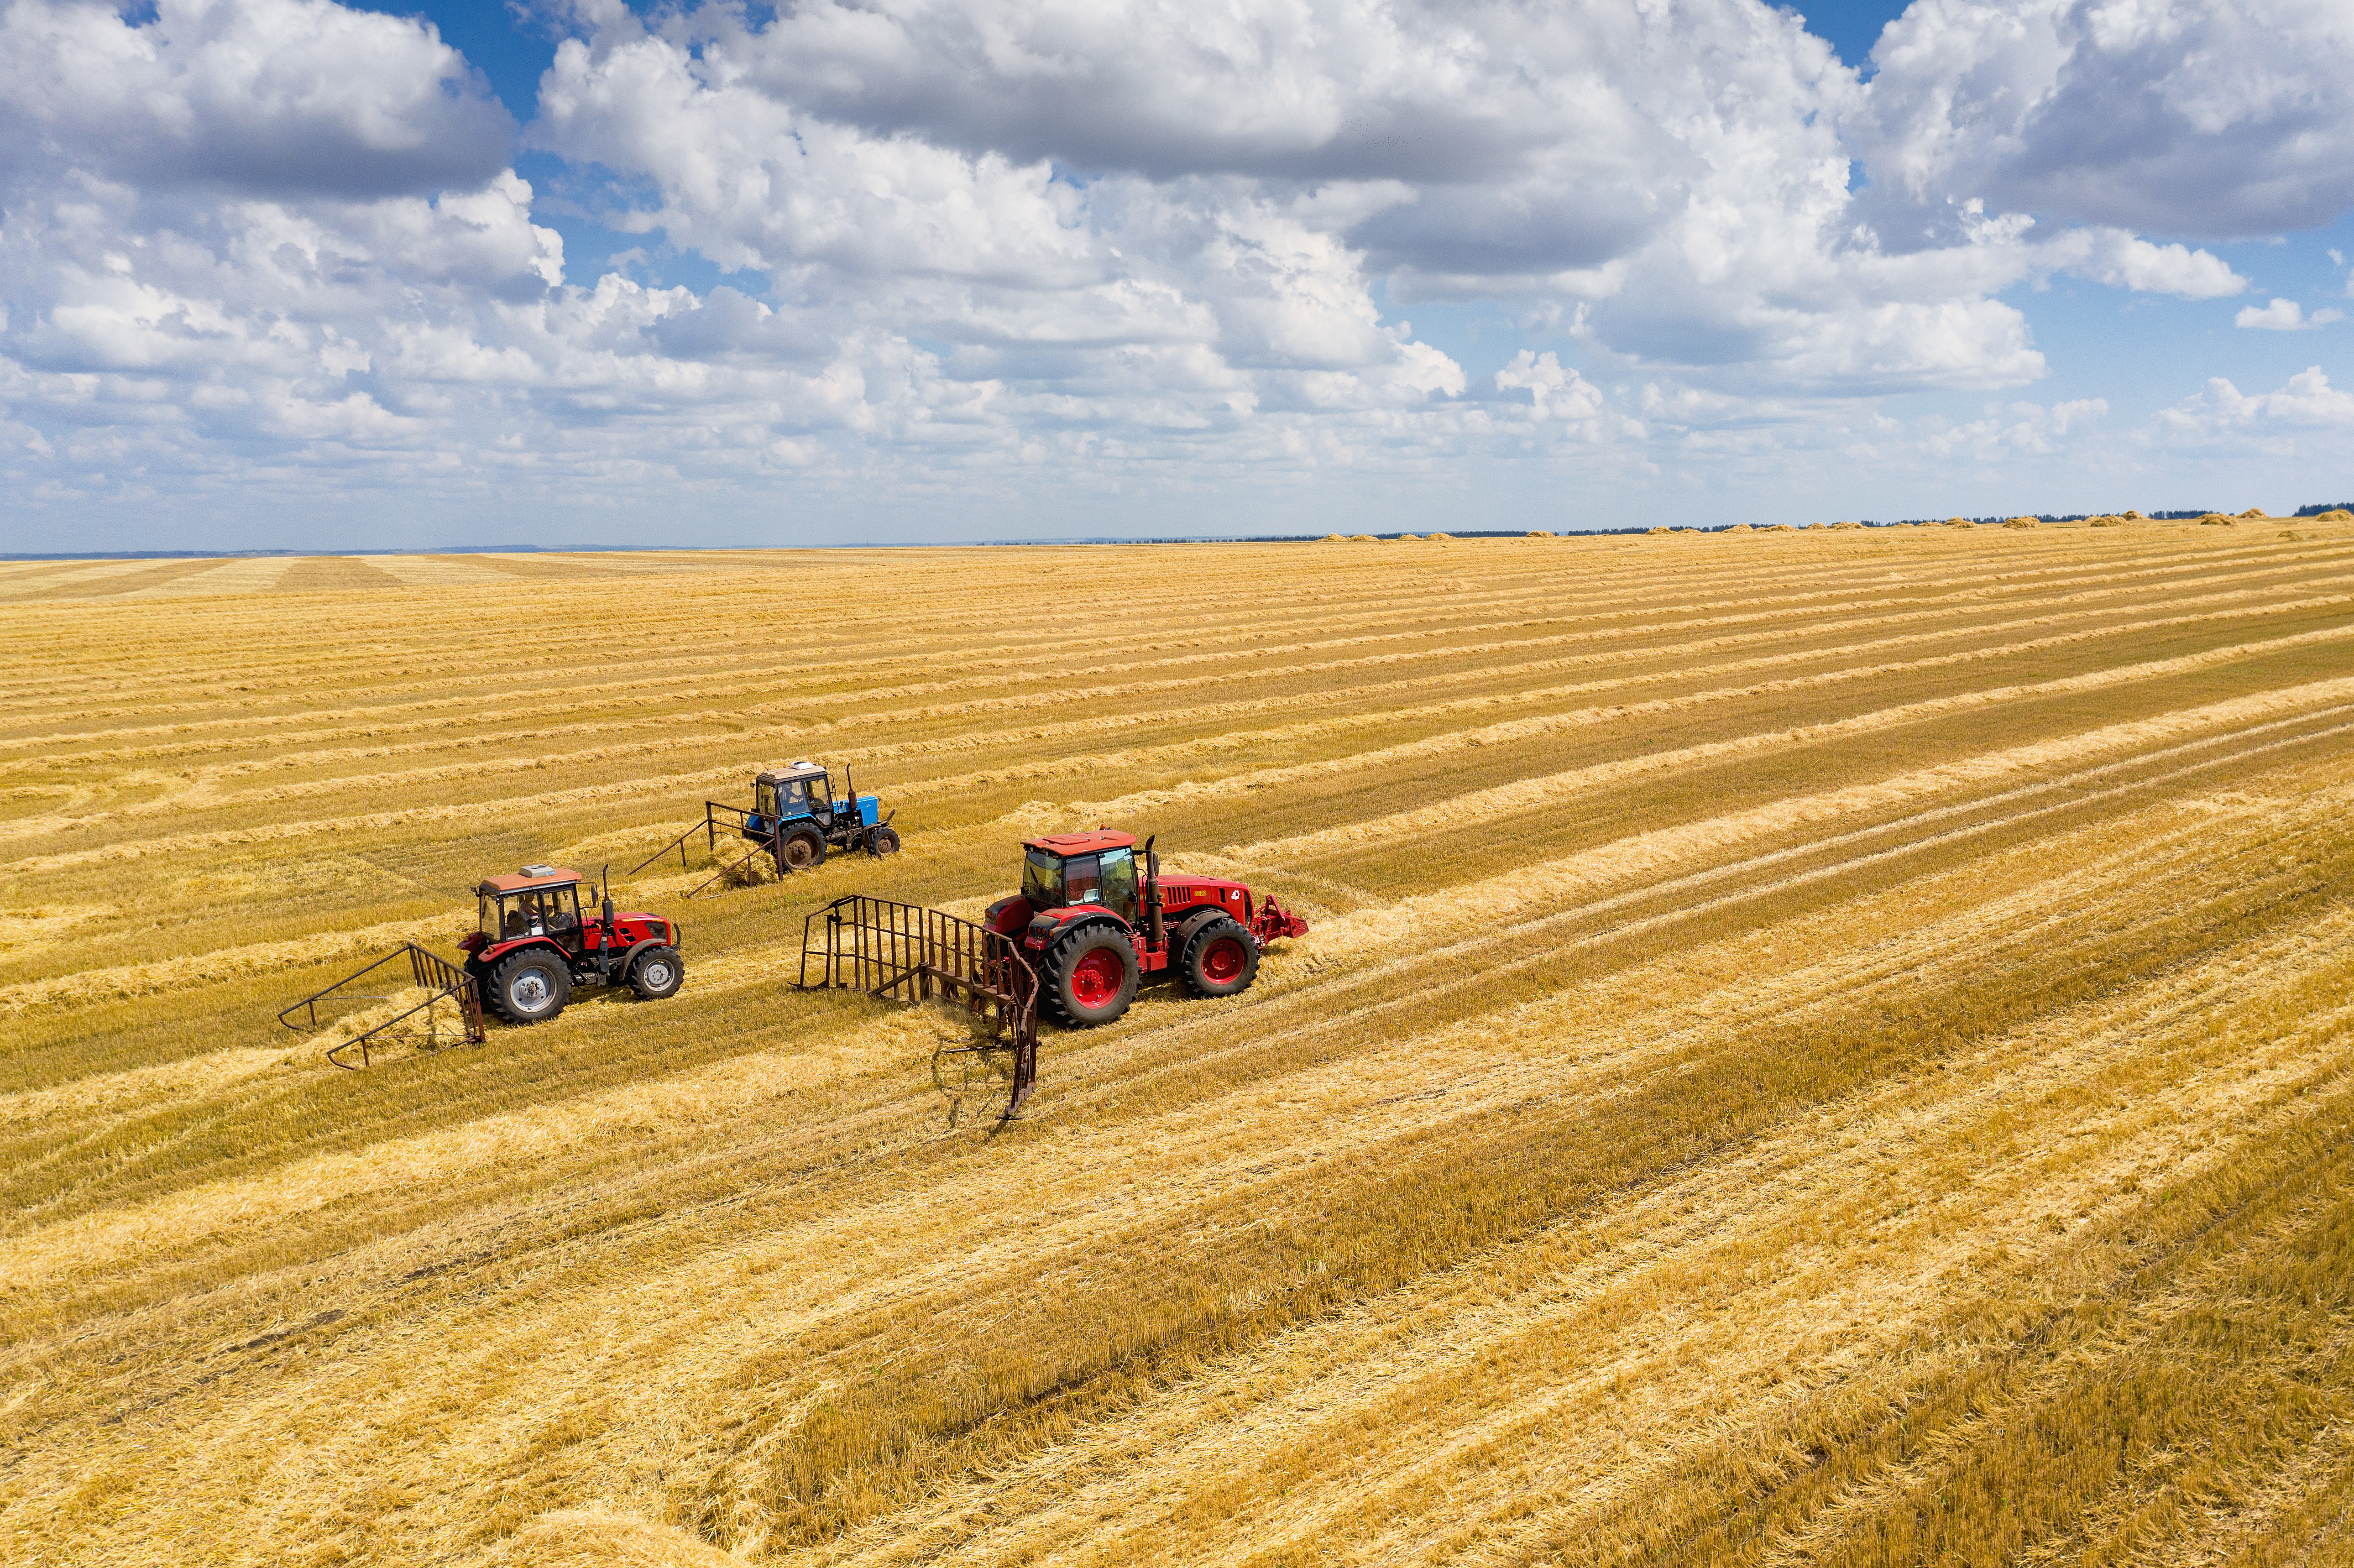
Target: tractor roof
point(1081, 843)
point(784, 775)
point(530, 876)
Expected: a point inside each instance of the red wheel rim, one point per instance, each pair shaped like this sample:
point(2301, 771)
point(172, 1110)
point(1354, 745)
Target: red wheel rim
point(1223, 962)
point(1096, 978)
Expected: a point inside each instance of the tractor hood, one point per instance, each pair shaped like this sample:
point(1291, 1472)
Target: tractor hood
point(1181, 894)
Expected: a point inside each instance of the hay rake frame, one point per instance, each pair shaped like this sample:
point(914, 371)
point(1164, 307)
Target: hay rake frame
point(442, 980)
point(907, 952)
point(709, 829)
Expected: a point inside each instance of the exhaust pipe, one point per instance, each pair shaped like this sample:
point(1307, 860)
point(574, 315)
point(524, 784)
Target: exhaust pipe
point(1152, 933)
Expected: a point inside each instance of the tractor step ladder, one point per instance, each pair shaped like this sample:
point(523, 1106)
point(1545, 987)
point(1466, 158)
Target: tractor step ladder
point(441, 980)
point(905, 952)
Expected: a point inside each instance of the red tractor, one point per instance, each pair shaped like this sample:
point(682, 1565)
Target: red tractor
point(1093, 927)
point(530, 945)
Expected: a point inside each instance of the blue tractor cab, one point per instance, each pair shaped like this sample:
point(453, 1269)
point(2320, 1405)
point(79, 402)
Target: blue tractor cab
point(795, 813)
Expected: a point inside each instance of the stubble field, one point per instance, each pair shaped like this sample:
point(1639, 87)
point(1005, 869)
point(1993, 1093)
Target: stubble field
point(1811, 1048)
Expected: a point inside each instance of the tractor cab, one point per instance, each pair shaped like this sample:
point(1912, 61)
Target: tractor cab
point(538, 901)
point(1070, 870)
point(790, 794)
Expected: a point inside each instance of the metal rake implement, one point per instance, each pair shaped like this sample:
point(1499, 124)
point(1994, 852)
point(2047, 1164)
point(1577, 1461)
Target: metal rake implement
point(905, 952)
point(441, 981)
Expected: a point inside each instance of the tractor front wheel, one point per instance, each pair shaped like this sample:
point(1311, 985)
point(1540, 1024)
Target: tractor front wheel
point(883, 841)
point(1089, 977)
point(657, 973)
point(1220, 959)
point(805, 851)
point(532, 987)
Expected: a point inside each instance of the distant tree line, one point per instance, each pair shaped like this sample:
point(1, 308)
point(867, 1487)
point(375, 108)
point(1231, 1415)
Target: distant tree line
point(2318, 507)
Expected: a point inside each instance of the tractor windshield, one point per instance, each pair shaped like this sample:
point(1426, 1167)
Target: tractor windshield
point(801, 798)
point(1042, 880)
point(535, 912)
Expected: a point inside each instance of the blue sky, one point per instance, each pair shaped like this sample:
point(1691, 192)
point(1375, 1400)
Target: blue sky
point(303, 274)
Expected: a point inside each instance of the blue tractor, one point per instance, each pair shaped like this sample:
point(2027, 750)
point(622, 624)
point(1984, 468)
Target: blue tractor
point(795, 814)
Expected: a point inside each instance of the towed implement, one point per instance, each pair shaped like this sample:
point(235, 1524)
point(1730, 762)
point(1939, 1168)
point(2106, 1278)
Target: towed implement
point(904, 952)
point(435, 983)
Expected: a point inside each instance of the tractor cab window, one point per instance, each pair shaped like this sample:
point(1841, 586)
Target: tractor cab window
point(801, 798)
point(1042, 880)
point(764, 798)
point(559, 908)
point(1082, 880)
point(535, 912)
point(488, 920)
point(1118, 883)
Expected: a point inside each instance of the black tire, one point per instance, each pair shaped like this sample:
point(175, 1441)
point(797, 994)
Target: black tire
point(1088, 978)
point(883, 841)
point(1219, 960)
point(803, 851)
point(529, 987)
point(656, 973)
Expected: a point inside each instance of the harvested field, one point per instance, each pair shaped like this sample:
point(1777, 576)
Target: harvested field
point(1827, 1045)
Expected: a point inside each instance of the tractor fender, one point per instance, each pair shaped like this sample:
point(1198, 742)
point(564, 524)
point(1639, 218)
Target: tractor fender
point(490, 956)
point(1009, 916)
point(1042, 935)
point(620, 969)
point(1182, 931)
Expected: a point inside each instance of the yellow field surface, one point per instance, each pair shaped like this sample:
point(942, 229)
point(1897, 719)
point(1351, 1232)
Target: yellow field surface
point(1812, 1047)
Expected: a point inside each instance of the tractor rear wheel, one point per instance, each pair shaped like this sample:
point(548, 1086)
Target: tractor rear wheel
point(883, 841)
point(1219, 960)
point(657, 973)
point(805, 851)
point(1089, 977)
point(530, 987)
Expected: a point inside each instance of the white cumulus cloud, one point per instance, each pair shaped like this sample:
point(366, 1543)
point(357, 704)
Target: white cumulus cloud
point(2188, 117)
point(973, 248)
point(2284, 315)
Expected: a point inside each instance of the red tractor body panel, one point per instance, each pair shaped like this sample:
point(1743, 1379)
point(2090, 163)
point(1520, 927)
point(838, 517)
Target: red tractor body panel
point(631, 928)
point(1180, 896)
point(1047, 927)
